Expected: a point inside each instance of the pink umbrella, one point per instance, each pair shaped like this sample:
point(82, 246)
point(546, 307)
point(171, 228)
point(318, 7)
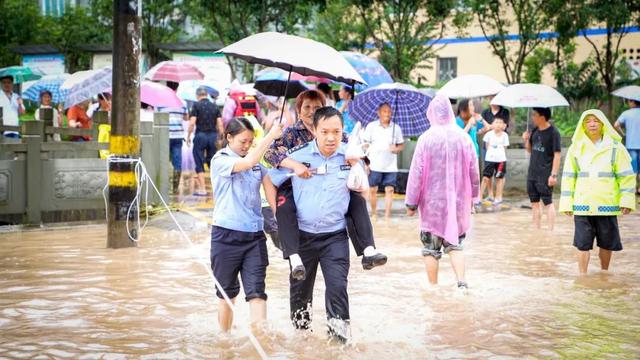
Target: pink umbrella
point(158, 95)
point(310, 78)
point(173, 71)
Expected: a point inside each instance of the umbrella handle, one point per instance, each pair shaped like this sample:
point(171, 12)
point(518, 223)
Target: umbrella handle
point(393, 129)
point(286, 87)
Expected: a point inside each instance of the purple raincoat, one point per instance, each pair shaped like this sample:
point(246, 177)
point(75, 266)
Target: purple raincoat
point(444, 178)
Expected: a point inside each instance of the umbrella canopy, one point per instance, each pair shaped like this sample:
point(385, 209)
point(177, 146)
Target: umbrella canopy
point(408, 106)
point(529, 95)
point(175, 71)
point(294, 53)
point(370, 70)
point(83, 85)
point(273, 81)
point(470, 86)
point(187, 89)
point(158, 95)
point(21, 74)
point(631, 92)
point(49, 83)
point(309, 78)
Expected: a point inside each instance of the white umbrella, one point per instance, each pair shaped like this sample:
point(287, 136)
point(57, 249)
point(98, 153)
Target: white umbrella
point(294, 53)
point(631, 92)
point(528, 96)
point(83, 85)
point(470, 86)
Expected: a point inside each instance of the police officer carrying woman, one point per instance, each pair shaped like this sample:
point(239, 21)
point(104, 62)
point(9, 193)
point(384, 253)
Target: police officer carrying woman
point(359, 225)
point(238, 243)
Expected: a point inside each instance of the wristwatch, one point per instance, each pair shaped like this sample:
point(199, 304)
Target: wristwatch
point(554, 176)
point(412, 207)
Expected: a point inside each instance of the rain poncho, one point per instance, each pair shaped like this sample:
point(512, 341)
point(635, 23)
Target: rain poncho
point(443, 178)
point(597, 180)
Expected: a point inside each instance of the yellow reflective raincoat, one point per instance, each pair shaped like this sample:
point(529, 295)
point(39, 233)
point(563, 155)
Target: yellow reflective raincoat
point(104, 130)
point(597, 180)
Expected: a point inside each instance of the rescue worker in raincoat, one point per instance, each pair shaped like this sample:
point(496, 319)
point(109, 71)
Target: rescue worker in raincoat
point(598, 184)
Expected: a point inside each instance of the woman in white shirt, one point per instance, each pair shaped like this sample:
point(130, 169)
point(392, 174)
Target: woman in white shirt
point(45, 103)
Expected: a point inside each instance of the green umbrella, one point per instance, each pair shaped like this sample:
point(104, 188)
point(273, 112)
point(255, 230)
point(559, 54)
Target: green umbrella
point(21, 73)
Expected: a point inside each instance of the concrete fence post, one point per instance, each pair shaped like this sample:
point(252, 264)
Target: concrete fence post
point(32, 135)
point(161, 158)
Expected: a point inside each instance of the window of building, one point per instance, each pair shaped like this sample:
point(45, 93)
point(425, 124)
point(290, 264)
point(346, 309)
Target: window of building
point(447, 69)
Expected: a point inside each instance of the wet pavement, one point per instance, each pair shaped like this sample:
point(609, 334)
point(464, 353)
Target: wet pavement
point(64, 295)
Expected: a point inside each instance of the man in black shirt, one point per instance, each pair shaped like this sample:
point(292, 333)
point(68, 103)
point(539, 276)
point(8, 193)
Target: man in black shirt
point(543, 143)
point(205, 117)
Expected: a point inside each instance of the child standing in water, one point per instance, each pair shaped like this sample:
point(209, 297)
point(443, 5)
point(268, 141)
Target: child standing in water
point(238, 243)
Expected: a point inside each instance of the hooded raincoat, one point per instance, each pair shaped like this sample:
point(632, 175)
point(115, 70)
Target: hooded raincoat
point(444, 177)
point(597, 180)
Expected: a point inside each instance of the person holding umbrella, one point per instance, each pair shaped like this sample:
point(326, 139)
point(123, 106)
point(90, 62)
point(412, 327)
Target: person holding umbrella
point(598, 184)
point(11, 105)
point(628, 124)
point(359, 225)
point(346, 96)
point(543, 143)
point(45, 103)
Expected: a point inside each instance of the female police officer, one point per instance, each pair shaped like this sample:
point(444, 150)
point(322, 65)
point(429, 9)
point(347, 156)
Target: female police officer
point(238, 243)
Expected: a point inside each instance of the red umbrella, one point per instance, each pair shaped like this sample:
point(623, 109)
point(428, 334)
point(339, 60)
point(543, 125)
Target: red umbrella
point(175, 71)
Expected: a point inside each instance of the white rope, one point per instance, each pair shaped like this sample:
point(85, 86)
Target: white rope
point(143, 180)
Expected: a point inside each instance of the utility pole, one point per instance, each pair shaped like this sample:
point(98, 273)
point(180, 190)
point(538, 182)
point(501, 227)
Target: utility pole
point(125, 125)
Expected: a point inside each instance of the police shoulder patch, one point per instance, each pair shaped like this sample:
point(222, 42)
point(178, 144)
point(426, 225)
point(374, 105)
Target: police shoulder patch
point(296, 148)
point(256, 168)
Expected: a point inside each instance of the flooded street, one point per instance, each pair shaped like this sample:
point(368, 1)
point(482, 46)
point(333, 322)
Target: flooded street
point(65, 296)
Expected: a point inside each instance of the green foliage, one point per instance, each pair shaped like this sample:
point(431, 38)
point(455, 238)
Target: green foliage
point(529, 20)
point(535, 63)
point(403, 31)
point(229, 21)
point(340, 26)
point(19, 20)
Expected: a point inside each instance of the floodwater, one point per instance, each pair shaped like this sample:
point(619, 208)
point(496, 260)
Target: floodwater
point(64, 295)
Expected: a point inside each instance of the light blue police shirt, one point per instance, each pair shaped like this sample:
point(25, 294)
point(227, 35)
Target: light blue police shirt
point(322, 200)
point(236, 195)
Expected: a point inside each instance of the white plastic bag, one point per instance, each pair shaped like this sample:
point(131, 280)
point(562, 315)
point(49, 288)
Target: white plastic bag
point(358, 180)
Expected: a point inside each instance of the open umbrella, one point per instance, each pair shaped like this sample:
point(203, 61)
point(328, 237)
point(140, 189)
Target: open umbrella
point(273, 81)
point(294, 54)
point(49, 83)
point(175, 71)
point(83, 85)
point(21, 74)
point(371, 70)
point(470, 86)
point(631, 92)
point(408, 105)
point(158, 95)
point(187, 89)
point(528, 96)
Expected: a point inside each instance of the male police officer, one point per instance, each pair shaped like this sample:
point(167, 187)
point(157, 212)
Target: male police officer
point(322, 202)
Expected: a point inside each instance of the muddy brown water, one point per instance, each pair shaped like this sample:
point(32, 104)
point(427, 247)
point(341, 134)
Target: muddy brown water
point(64, 295)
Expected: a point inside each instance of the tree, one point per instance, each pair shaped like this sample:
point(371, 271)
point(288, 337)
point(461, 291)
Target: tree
point(405, 32)
point(340, 26)
point(535, 63)
point(231, 20)
point(529, 22)
point(18, 19)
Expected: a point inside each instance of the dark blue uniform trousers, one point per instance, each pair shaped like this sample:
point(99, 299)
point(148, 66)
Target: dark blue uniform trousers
point(331, 251)
point(244, 253)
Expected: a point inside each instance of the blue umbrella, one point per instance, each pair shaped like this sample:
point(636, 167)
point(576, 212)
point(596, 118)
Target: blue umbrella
point(370, 70)
point(187, 89)
point(408, 106)
point(49, 83)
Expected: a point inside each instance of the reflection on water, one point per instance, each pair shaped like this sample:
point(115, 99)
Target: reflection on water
point(65, 296)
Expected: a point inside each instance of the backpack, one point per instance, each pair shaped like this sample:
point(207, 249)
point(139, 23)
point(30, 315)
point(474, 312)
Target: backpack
point(245, 104)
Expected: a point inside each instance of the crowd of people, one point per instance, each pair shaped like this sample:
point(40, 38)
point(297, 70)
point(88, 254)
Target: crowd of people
point(285, 172)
